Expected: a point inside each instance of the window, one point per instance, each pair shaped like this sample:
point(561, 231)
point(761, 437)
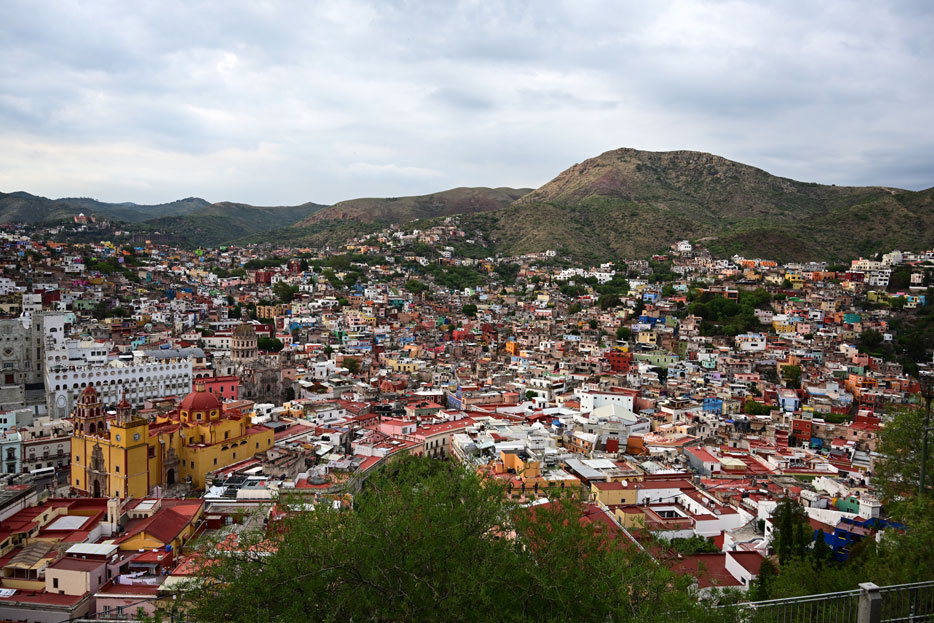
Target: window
point(54, 582)
point(235, 455)
point(215, 460)
point(117, 468)
point(226, 434)
point(192, 465)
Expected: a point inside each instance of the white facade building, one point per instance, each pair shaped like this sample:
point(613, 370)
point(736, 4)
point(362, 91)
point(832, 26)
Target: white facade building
point(141, 379)
point(592, 400)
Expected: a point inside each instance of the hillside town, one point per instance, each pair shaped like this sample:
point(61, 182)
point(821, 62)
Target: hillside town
point(152, 395)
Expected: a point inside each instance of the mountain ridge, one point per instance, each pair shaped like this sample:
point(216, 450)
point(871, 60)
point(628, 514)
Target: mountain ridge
point(632, 203)
point(623, 203)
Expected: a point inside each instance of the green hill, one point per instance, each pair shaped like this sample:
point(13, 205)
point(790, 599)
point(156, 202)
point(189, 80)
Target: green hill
point(404, 209)
point(222, 222)
point(187, 222)
point(132, 212)
point(629, 203)
point(334, 225)
point(21, 207)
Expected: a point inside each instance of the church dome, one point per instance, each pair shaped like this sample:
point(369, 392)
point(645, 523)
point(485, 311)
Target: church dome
point(199, 400)
point(244, 331)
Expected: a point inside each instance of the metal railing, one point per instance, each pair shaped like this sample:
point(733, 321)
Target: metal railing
point(910, 603)
point(907, 602)
point(823, 608)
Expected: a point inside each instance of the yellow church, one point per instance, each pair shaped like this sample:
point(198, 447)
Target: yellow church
point(127, 455)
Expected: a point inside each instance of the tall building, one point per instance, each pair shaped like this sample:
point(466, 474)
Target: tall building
point(23, 344)
point(260, 376)
point(125, 455)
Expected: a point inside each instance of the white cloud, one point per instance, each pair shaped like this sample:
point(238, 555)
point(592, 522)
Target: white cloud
point(289, 102)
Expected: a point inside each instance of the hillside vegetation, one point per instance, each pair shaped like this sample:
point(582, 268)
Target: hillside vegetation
point(188, 222)
point(404, 209)
point(630, 203)
point(223, 222)
point(21, 207)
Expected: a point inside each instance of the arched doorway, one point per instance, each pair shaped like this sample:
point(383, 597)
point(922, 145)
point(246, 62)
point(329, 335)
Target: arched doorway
point(170, 477)
point(96, 489)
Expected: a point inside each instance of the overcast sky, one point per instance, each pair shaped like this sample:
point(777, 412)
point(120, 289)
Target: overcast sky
point(281, 103)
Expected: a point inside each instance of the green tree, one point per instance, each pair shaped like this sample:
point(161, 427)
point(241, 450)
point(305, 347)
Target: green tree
point(753, 407)
point(608, 301)
point(530, 395)
point(284, 292)
point(869, 340)
point(352, 364)
point(623, 333)
point(693, 545)
point(469, 310)
point(415, 286)
point(898, 470)
point(432, 541)
point(574, 308)
point(593, 324)
point(792, 534)
point(792, 376)
point(762, 585)
point(270, 344)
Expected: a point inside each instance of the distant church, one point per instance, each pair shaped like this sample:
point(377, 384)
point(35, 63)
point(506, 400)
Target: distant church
point(260, 375)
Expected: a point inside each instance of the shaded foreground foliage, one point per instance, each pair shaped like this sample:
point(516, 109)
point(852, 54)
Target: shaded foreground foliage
point(430, 541)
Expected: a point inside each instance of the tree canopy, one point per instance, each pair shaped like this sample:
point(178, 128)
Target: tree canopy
point(432, 541)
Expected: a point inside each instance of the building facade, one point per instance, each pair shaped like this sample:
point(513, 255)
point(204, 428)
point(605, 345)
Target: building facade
point(126, 455)
point(136, 380)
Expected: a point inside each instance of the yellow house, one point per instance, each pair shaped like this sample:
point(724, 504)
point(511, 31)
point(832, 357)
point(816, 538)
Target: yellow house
point(630, 517)
point(126, 455)
point(648, 338)
point(403, 365)
point(611, 493)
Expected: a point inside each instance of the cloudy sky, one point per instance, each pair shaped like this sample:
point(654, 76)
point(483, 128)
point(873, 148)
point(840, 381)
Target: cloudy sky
point(280, 103)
